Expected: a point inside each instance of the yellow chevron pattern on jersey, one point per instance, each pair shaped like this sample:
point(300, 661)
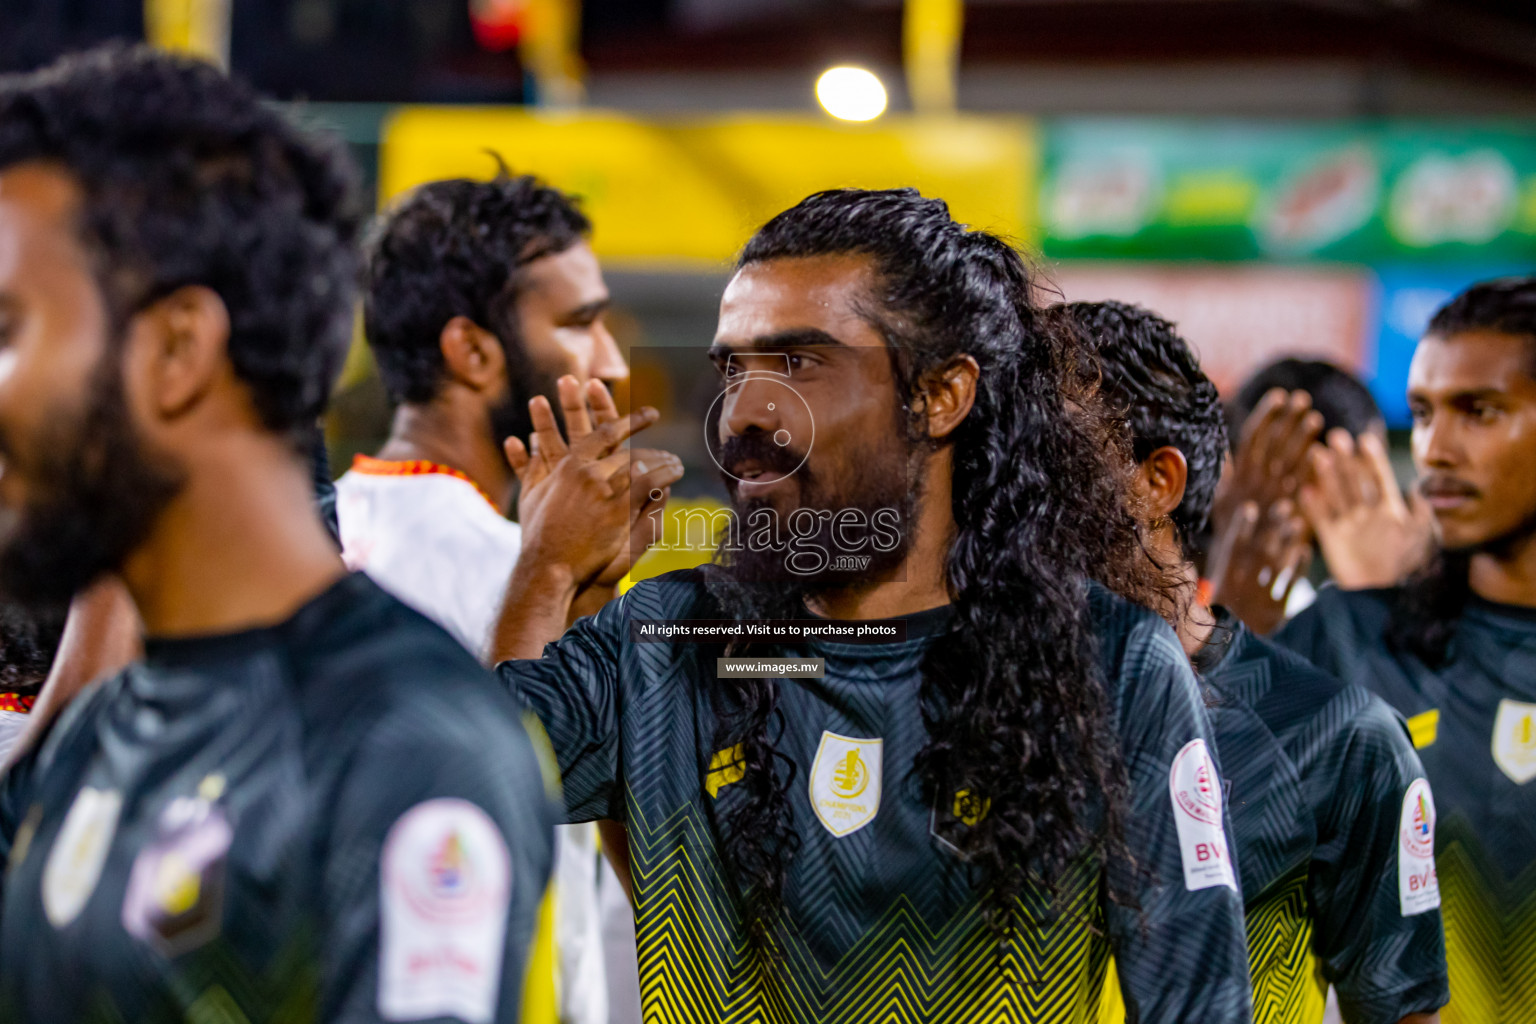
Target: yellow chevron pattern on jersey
point(1287, 988)
point(694, 965)
point(1490, 947)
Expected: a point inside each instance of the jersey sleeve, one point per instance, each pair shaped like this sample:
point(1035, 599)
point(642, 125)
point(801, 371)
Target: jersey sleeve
point(574, 690)
point(1307, 635)
point(1334, 631)
point(1375, 898)
point(434, 869)
point(14, 789)
point(1182, 955)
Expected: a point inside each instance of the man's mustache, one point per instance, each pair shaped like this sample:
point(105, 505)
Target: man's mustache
point(757, 450)
point(1444, 485)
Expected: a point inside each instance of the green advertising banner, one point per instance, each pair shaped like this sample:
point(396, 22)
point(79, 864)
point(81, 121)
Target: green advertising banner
point(1170, 189)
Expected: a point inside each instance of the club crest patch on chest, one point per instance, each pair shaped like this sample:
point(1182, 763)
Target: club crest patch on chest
point(1514, 740)
point(845, 782)
point(175, 898)
point(74, 864)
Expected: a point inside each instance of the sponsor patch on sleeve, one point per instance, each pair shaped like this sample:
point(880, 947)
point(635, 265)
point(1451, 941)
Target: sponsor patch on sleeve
point(1197, 802)
point(445, 886)
point(1418, 887)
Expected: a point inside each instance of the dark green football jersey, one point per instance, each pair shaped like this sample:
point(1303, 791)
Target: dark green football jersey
point(339, 818)
point(883, 922)
point(1319, 774)
point(1472, 720)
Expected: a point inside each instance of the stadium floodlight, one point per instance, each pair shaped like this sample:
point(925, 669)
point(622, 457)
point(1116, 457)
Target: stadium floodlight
point(851, 94)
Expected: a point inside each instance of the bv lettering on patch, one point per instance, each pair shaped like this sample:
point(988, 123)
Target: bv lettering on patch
point(175, 898)
point(1514, 740)
point(845, 782)
point(1418, 887)
point(1196, 793)
point(445, 889)
point(74, 864)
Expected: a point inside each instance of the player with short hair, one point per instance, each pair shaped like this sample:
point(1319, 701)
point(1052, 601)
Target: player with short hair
point(306, 802)
point(1322, 774)
point(963, 822)
point(478, 296)
point(1454, 647)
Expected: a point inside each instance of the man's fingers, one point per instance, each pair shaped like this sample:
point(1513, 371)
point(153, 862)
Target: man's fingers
point(1277, 530)
point(1303, 425)
point(1353, 492)
point(606, 438)
point(547, 438)
point(601, 401)
point(653, 472)
point(517, 455)
point(1374, 454)
point(1319, 496)
point(573, 405)
point(1258, 431)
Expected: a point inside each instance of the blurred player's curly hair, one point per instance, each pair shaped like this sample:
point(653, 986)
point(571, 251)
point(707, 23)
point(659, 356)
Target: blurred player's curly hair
point(188, 178)
point(1013, 697)
point(454, 248)
point(1154, 384)
point(1432, 600)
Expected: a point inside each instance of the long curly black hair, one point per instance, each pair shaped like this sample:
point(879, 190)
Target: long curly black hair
point(1013, 696)
point(1153, 382)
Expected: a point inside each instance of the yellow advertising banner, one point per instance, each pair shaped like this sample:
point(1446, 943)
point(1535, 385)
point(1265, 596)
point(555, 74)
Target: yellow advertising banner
point(686, 194)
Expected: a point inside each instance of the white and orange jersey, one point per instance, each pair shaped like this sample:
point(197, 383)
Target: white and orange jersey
point(430, 536)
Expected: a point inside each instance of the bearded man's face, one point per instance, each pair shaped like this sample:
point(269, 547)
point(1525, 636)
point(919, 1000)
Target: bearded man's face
point(80, 487)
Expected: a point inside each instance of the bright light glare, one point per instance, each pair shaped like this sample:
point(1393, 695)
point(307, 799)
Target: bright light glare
point(851, 94)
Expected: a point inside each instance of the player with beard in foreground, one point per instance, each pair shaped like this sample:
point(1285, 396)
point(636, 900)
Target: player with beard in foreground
point(962, 823)
point(1454, 648)
point(1323, 777)
point(273, 815)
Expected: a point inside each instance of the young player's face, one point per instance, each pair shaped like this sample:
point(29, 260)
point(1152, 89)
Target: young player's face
point(1473, 399)
point(77, 490)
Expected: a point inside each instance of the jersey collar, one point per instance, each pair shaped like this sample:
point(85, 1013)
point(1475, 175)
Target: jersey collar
point(370, 466)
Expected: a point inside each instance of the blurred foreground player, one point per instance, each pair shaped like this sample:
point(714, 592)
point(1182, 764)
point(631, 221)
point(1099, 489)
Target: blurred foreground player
point(1454, 648)
point(280, 811)
point(480, 295)
point(965, 822)
point(1323, 777)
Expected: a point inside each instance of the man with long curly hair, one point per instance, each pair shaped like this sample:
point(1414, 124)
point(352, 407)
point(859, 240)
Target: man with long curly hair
point(968, 817)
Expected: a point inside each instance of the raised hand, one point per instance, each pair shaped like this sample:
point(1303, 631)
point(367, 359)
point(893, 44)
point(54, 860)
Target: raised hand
point(1256, 561)
point(1270, 462)
point(1369, 534)
point(652, 474)
point(547, 446)
point(585, 409)
point(578, 510)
